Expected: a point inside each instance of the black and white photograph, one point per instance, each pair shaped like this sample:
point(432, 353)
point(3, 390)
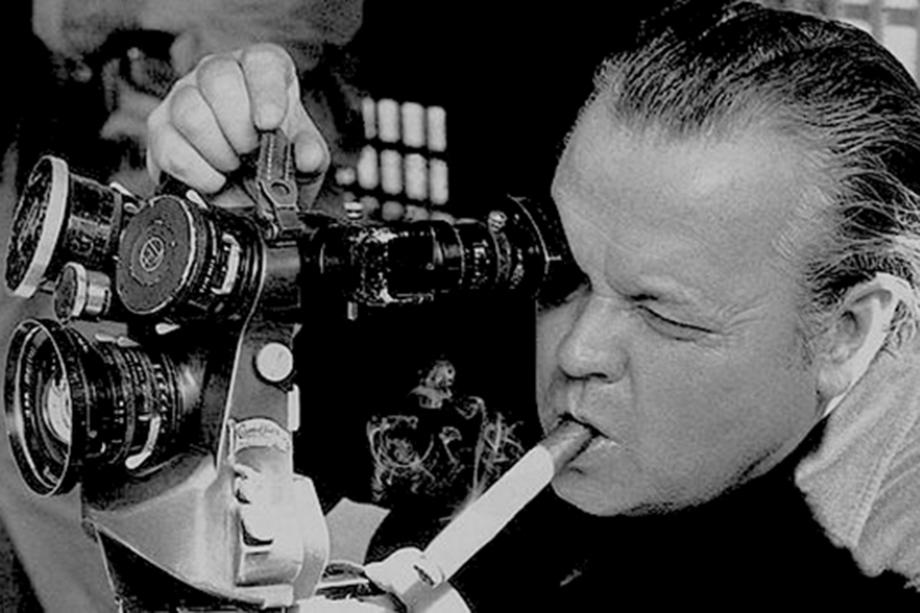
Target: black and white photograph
point(355, 306)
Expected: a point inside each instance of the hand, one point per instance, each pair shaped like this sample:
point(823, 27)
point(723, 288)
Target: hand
point(400, 575)
point(443, 600)
point(212, 116)
point(320, 604)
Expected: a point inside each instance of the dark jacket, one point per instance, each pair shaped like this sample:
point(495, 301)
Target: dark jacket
point(757, 546)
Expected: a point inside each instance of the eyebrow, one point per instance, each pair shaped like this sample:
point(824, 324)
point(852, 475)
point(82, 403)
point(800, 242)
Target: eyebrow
point(669, 291)
point(664, 288)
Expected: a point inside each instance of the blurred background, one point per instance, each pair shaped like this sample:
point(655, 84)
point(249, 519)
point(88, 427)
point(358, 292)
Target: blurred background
point(895, 23)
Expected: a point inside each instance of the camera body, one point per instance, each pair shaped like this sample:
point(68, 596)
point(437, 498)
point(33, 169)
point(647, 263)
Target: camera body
point(180, 428)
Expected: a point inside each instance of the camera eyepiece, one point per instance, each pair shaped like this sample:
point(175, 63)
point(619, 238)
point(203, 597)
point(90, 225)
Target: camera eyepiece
point(72, 404)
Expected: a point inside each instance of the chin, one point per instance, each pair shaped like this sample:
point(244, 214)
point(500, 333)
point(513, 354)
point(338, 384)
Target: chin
point(609, 499)
point(591, 498)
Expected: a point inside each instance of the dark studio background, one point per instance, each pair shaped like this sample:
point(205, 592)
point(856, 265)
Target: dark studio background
point(511, 77)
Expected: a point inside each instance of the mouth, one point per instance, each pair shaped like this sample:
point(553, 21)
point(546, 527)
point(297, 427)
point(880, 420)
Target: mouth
point(597, 438)
point(566, 417)
point(570, 403)
point(593, 453)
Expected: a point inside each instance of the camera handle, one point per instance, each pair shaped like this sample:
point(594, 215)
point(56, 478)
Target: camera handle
point(229, 524)
point(274, 189)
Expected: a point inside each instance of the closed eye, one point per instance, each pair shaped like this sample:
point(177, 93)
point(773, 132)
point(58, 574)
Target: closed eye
point(671, 328)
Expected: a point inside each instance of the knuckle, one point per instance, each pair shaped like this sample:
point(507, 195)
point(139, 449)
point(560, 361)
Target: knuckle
point(266, 52)
point(214, 69)
point(267, 55)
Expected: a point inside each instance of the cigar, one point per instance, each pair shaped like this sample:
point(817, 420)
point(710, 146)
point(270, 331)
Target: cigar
point(478, 523)
point(566, 441)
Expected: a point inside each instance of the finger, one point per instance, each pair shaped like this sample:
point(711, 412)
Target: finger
point(311, 157)
point(156, 120)
point(222, 85)
point(415, 212)
point(311, 152)
point(231, 197)
point(392, 210)
point(169, 152)
point(269, 72)
point(442, 216)
point(195, 120)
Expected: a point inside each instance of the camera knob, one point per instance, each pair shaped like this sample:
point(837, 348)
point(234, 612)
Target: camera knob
point(81, 293)
point(274, 362)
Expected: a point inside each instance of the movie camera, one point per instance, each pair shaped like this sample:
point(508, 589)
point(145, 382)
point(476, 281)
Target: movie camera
point(179, 428)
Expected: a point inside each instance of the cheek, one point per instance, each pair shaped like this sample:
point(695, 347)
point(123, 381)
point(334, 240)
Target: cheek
point(551, 329)
point(712, 416)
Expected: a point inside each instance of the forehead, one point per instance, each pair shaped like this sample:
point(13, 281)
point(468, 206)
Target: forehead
point(708, 212)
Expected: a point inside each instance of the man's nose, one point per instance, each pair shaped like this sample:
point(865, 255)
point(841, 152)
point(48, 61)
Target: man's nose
point(594, 346)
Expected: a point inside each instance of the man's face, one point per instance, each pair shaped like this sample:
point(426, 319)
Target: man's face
point(683, 350)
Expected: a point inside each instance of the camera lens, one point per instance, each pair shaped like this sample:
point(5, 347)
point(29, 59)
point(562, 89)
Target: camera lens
point(83, 294)
point(520, 248)
point(179, 259)
point(56, 409)
point(39, 408)
point(61, 217)
point(555, 273)
point(72, 404)
point(441, 257)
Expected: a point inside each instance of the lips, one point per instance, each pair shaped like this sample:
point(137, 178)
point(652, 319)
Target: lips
point(593, 454)
point(565, 403)
point(569, 402)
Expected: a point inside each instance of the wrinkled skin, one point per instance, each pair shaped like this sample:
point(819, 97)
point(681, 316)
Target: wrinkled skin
point(683, 350)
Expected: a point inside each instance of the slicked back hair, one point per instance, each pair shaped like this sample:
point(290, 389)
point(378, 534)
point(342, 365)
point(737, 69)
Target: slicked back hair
point(708, 69)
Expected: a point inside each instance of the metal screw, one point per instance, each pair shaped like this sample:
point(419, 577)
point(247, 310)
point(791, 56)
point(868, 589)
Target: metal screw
point(354, 209)
point(496, 221)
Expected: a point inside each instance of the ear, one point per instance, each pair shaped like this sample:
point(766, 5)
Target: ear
point(857, 334)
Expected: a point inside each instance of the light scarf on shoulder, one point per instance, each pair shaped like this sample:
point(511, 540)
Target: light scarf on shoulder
point(863, 483)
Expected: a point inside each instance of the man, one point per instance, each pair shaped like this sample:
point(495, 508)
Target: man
point(740, 194)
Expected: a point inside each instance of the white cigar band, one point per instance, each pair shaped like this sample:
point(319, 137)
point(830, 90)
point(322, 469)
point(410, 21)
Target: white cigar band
point(407, 574)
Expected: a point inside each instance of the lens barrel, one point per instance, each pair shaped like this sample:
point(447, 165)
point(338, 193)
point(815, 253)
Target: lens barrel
point(71, 405)
point(181, 260)
point(518, 249)
point(62, 217)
